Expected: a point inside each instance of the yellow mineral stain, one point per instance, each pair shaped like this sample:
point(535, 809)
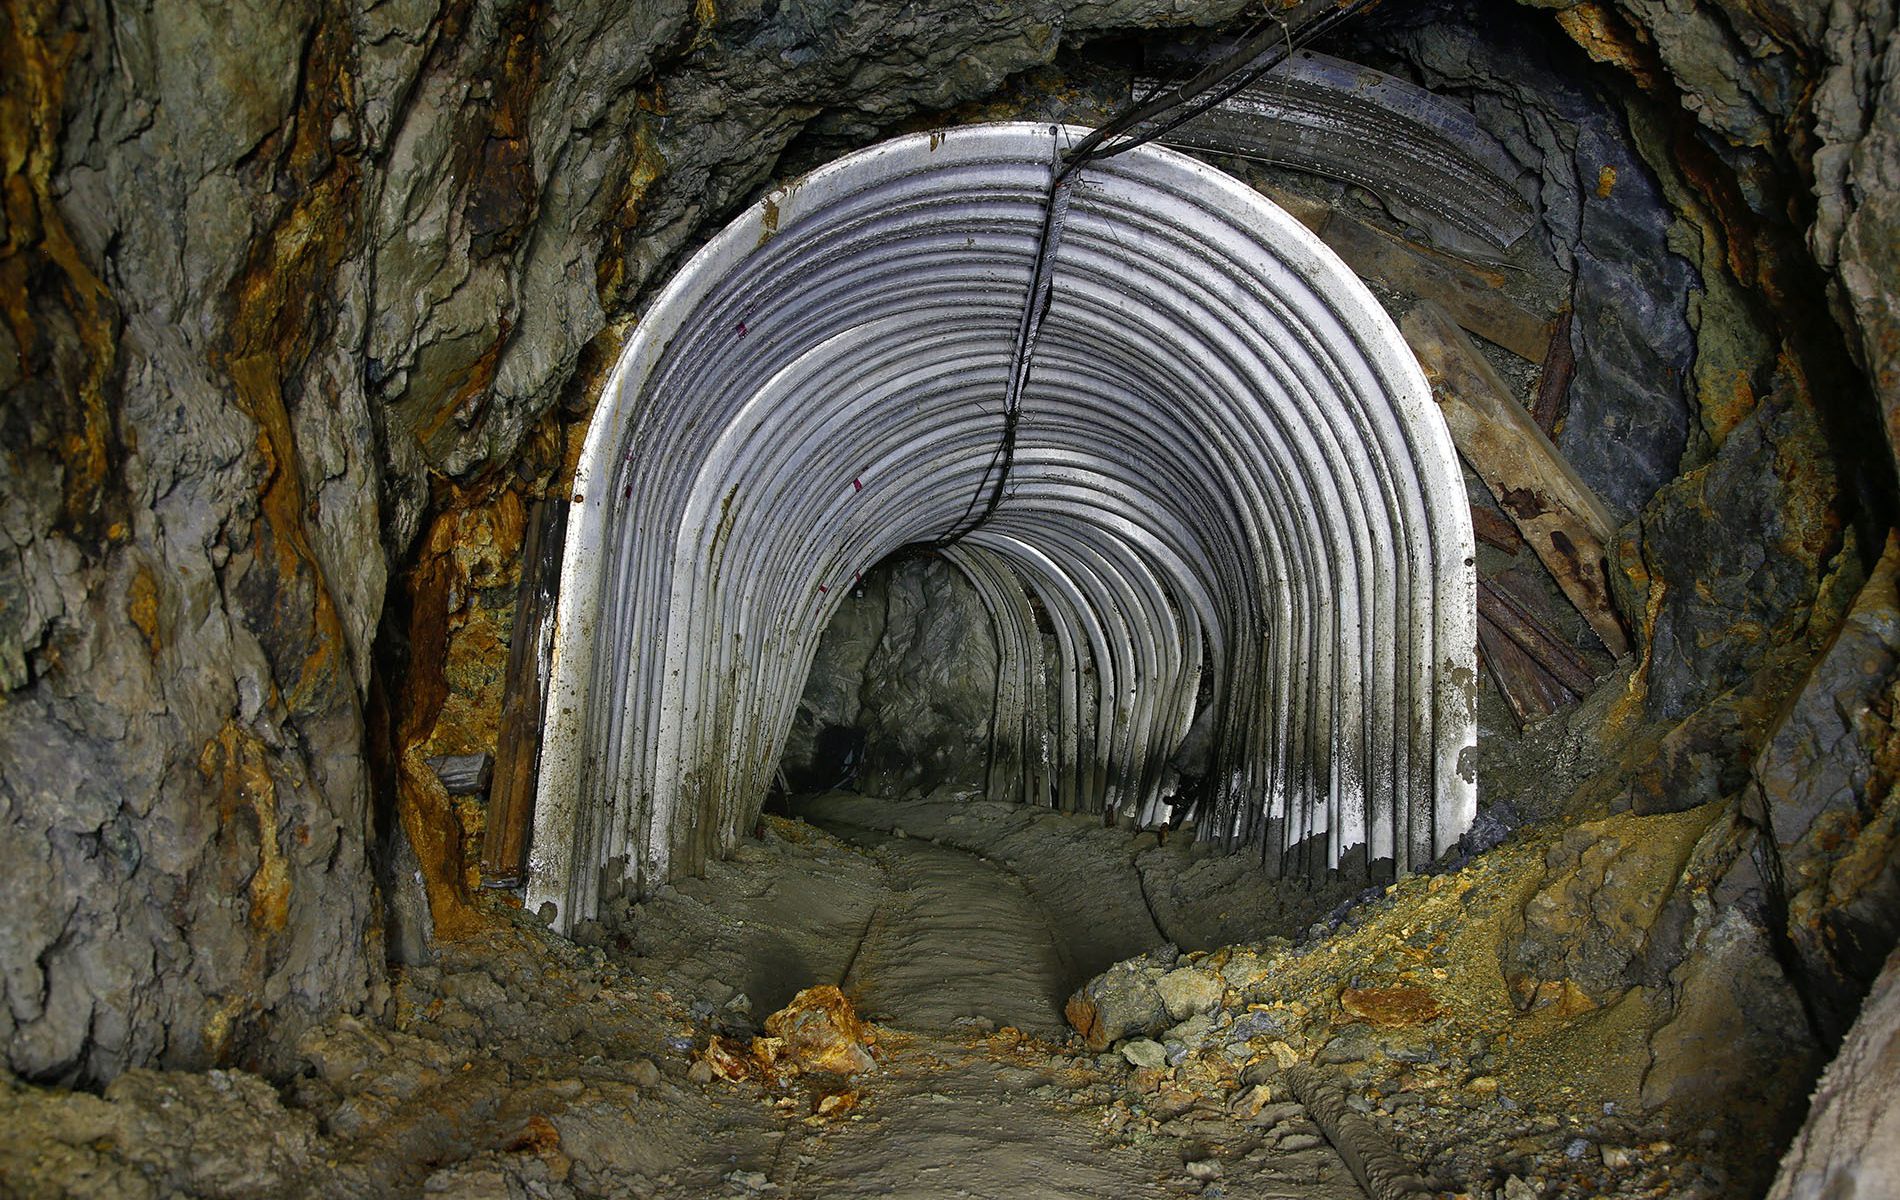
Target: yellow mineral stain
point(281, 512)
point(217, 1027)
point(768, 218)
point(34, 58)
point(1606, 181)
point(238, 763)
point(1606, 38)
point(141, 607)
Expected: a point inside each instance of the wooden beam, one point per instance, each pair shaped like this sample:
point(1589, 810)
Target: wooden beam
point(1528, 690)
point(518, 752)
point(1493, 529)
point(1551, 652)
point(1553, 386)
point(1470, 295)
point(1563, 521)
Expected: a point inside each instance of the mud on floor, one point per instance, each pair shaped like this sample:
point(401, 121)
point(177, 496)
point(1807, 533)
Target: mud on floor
point(523, 1065)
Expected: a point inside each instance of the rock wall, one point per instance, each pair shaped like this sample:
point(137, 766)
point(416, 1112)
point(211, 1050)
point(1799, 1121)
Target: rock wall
point(1850, 1145)
point(192, 571)
point(284, 285)
point(911, 664)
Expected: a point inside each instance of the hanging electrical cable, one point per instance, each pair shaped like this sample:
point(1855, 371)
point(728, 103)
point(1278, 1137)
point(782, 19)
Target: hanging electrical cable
point(1271, 42)
point(1236, 494)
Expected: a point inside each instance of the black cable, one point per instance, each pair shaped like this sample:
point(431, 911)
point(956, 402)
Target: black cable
point(1270, 43)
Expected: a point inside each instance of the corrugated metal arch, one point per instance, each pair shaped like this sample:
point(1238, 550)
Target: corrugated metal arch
point(1228, 461)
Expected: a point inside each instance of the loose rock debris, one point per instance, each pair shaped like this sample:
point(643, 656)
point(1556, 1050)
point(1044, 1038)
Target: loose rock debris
point(524, 1065)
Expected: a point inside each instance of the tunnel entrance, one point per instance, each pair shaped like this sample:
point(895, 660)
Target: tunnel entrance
point(1227, 462)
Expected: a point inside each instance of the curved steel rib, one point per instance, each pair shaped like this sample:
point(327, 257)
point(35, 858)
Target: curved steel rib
point(1228, 462)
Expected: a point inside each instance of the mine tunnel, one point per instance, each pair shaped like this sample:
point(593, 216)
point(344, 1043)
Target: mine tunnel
point(1040, 599)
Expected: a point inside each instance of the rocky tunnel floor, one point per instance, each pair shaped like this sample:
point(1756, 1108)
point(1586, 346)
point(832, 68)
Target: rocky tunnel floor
point(964, 962)
point(518, 1064)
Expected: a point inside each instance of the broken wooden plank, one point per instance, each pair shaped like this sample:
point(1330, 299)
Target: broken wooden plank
point(1524, 585)
point(1469, 295)
point(1553, 386)
point(518, 751)
point(1562, 520)
point(1551, 652)
point(1493, 529)
point(1529, 691)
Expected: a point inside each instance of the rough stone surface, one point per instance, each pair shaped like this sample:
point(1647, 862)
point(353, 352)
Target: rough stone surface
point(1826, 783)
point(1850, 1145)
point(1629, 405)
point(279, 280)
point(191, 571)
point(1188, 992)
point(912, 665)
point(288, 288)
point(1735, 551)
point(1737, 1035)
point(1856, 231)
point(1144, 1052)
point(1584, 931)
point(1123, 1001)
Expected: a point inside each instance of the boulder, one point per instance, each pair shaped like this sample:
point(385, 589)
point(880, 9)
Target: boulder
point(1851, 1142)
point(1190, 991)
point(1123, 1001)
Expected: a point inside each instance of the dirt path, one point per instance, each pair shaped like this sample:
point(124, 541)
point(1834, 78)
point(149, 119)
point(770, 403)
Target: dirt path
point(958, 939)
point(954, 1121)
point(940, 944)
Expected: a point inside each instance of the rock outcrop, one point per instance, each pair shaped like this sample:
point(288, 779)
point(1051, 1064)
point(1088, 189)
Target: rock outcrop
point(1850, 1145)
point(280, 281)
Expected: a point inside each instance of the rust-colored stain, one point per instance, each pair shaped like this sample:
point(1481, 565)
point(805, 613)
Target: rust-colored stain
point(40, 267)
point(1391, 1007)
point(1606, 181)
point(238, 764)
point(217, 1027)
point(1606, 37)
point(477, 376)
point(1722, 412)
point(538, 1136)
point(141, 607)
point(768, 218)
point(646, 167)
point(280, 533)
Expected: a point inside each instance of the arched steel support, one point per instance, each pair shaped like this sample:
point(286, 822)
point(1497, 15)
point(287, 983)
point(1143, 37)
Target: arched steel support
point(1228, 462)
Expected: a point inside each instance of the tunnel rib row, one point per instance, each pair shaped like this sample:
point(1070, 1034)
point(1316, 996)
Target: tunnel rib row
point(1399, 141)
point(1229, 481)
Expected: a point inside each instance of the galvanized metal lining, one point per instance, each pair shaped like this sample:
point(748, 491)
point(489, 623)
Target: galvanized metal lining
point(1228, 462)
point(1350, 122)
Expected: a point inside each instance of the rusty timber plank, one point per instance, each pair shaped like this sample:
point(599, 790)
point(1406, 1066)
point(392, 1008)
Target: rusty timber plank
point(1469, 294)
point(1559, 515)
point(518, 752)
